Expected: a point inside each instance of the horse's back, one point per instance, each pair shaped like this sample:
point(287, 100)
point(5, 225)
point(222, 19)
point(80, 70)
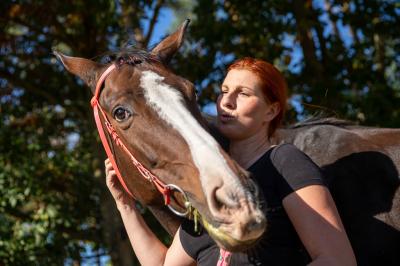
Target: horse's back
point(361, 166)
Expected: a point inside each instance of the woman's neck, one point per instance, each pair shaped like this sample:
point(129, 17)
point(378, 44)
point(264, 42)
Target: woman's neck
point(248, 151)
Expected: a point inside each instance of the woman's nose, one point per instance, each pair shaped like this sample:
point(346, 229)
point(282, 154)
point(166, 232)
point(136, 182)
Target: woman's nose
point(228, 101)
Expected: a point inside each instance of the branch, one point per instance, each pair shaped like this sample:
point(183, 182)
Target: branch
point(30, 119)
point(130, 11)
point(306, 42)
point(354, 36)
point(328, 9)
point(87, 235)
point(39, 30)
point(6, 91)
point(14, 80)
point(17, 214)
point(333, 22)
point(94, 256)
point(153, 22)
point(321, 39)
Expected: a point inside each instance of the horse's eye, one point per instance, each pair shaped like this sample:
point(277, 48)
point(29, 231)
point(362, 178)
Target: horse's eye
point(120, 114)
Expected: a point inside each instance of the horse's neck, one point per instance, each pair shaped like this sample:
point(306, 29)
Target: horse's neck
point(168, 220)
point(337, 142)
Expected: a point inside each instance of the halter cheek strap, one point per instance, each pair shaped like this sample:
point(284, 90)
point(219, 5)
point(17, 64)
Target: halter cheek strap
point(164, 189)
point(96, 107)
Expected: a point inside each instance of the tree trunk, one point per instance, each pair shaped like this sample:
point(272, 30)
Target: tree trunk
point(120, 249)
point(305, 37)
point(113, 231)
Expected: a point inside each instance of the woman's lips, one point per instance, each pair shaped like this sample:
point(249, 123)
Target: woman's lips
point(226, 118)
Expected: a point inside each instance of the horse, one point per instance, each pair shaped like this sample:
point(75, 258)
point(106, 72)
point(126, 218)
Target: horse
point(154, 112)
point(361, 166)
point(158, 127)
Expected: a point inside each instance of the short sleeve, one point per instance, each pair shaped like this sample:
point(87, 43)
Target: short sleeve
point(295, 168)
point(193, 242)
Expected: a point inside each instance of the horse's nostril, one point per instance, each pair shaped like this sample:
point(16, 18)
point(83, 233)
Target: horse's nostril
point(225, 197)
point(256, 225)
point(252, 187)
point(220, 202)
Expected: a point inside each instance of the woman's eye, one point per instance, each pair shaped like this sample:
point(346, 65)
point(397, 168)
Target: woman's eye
point(121, 114)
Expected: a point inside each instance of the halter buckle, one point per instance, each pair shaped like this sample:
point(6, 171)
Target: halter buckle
point(93, 102)
point(173, 187)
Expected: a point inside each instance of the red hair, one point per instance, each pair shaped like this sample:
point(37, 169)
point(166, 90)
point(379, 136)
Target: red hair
point(273, 85)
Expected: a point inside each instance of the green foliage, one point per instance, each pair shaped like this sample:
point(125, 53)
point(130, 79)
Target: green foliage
point(51, 172)
point(342, 56)
point(43, 183)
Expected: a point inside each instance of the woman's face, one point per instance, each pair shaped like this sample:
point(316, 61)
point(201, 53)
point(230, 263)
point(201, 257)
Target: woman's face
point(242, 108)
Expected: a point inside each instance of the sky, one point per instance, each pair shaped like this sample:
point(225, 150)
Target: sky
point(162, 27)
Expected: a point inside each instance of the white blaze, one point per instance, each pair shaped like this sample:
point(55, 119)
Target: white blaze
point(169, 104)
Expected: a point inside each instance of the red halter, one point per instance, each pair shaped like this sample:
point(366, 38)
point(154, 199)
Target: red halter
point(161, 186)
point(164, 189)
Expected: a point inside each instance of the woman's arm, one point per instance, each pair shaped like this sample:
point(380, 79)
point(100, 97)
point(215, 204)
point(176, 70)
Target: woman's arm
point(314, 215)
point(147, 247)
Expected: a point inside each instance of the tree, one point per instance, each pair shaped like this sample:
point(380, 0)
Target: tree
point(341, 57)
point(338, 56)
point(54, 204)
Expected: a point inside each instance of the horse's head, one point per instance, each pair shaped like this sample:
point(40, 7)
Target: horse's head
point(155, 114)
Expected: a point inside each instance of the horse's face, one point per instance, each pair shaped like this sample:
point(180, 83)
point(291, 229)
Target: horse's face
point(151, 109)
point(155, 114)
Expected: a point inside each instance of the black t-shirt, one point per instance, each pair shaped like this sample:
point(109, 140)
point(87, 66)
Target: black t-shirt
point(280, 171)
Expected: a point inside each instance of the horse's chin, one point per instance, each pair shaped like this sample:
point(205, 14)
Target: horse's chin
point(225, 241)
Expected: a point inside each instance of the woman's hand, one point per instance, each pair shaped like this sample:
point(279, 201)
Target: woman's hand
point(121, 197)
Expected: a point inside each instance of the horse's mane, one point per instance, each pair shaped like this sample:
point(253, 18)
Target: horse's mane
point(317, 120)
point(128, 55)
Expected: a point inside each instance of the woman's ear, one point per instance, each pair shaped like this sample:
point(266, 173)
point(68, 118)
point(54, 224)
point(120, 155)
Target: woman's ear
point(273, 110)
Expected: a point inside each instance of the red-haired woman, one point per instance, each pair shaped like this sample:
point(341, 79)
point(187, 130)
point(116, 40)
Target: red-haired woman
point(303, 224)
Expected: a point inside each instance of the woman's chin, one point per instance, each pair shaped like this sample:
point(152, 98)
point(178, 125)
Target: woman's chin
point(228, 130)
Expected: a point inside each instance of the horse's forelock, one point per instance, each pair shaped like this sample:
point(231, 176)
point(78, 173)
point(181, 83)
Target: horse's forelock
point(130, 56)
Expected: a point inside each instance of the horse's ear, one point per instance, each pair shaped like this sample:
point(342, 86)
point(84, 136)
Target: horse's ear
point(88, 70)
point(166, 49)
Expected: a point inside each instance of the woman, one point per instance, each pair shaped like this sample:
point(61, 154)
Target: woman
point(304, 225)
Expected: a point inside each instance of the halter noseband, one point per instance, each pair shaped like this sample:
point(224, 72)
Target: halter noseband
point(164, 189)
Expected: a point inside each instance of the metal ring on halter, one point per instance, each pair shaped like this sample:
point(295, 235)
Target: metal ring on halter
point(185, 198)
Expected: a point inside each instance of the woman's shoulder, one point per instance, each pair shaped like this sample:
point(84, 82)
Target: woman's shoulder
point(274, 155)
point(287, 153)
point(285, 149)
point(295, 167)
